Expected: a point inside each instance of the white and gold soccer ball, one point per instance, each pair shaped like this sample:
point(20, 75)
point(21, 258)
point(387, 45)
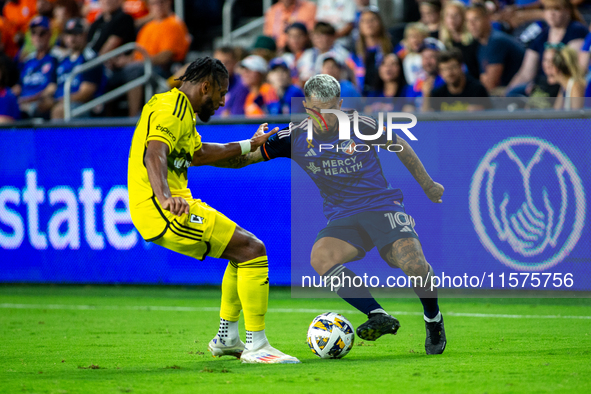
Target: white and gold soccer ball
point(331, 335)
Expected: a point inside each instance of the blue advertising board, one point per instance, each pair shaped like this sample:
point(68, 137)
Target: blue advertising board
point(64, 209)
point(514, 202)
point(514, 205)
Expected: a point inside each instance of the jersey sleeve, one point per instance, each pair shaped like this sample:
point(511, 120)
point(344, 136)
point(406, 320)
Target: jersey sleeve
point(164, 127)
point(278, 145)
point(198, 143)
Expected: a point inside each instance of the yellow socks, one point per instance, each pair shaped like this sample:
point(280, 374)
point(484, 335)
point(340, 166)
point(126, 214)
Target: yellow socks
point(253, 290)
point(231, 305)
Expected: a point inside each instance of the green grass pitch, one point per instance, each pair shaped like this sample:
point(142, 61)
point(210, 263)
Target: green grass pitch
point(103, 340)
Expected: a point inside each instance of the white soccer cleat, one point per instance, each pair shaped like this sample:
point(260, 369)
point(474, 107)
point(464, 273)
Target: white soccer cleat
point(218, 348)
point(267, 354)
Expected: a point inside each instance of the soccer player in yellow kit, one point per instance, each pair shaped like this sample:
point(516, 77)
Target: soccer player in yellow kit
point(164, 145)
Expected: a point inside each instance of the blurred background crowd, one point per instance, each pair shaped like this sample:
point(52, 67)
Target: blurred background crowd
point(434, 55)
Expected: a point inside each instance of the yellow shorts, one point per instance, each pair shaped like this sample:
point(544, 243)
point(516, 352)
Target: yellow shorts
point(203, 232)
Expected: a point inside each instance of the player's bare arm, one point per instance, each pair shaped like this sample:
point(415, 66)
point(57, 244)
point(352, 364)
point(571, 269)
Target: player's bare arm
point(156, 165)
point(413, 164)
point(237, 160)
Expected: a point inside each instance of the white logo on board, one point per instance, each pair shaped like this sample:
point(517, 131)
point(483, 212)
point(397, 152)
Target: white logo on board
point(528, 219)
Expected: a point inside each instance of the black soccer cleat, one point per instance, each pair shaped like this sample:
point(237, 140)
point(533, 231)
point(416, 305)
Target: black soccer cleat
point(436, 341)
point(378, 324)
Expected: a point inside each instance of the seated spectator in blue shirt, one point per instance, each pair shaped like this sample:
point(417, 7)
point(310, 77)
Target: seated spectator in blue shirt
point(37, 72)
point(9, 111)
point(460, 92)
point(279, 77)
point(563, 28)
point(429, 78)
point(391, 83)
point(85, 86)
point(335, 68)
point(499, 55)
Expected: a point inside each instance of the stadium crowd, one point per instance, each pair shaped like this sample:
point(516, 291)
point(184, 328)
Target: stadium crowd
point(455, 52)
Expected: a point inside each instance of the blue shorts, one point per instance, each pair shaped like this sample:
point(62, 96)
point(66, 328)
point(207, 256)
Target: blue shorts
point(365, 230)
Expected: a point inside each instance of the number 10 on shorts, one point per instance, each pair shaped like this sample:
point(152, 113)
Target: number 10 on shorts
point(401, 219)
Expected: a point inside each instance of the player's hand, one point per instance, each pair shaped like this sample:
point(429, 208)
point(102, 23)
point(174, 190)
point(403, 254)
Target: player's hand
point(176, 205)
point(260, 137)
point(434, 192)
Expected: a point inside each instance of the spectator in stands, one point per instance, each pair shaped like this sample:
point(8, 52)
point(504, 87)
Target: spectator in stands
point(408, 50)
point(9, 111)
point(499, 55)
point(391, 82)
point(111, 29)
point(139, 11)
point(341, 15)
point(44, 8)
point(431, 16)
point(264, 47)
point(454, 33)
point(64, 10)
point(298, 41)
point(85, 86)
point(261, 98)
point(283, 14)
point(20, 13)
point(585, 54)
point(228, 56)
point(8, 36)
point(460, 92)
point(564, 26)
point(38, 72)
point(360, 6)
point(429, 77)
point(371, 47)
point(279, 77)
point(339, 70)
point(165, 39)
point(323, 40)
point(565, 70)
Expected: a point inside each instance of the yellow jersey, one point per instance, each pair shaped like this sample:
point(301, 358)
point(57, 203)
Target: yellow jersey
point(169, 118)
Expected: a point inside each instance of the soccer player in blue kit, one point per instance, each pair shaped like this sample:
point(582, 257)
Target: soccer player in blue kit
point(362, 208)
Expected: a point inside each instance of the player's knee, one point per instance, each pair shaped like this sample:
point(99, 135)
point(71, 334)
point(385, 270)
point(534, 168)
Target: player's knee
point(323, 260)
point(255, 248)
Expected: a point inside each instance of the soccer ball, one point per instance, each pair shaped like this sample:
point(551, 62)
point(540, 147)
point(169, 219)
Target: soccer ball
point(330, 335)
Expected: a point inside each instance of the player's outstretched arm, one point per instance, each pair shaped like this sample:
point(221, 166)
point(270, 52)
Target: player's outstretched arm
point(212, 154)
point(240, 161)
point(156, 164)
point(411, 161)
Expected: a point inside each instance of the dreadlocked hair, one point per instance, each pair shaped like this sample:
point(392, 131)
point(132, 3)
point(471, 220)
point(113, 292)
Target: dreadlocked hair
point(204, 67)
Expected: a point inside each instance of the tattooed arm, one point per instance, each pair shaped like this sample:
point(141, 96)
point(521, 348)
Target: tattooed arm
point(240, 161)
point(413, 164)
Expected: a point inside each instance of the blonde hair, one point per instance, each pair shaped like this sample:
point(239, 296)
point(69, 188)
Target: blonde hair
point(418, 27)
point(444, 33)
point(566, 62)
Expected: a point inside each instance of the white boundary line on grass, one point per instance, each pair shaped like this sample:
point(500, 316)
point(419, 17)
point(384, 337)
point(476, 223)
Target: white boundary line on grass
point(271, 310)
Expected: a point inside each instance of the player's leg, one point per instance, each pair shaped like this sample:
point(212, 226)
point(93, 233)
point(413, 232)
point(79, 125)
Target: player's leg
point(329, 253)
point(246, 286)
point(407, 254)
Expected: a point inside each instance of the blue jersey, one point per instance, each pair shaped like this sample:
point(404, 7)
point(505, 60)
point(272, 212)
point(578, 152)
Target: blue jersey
point(65, 67)
point(349, 181)
point(36, 74)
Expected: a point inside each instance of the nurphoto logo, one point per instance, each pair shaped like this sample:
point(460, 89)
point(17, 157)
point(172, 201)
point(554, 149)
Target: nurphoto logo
point(345, 130)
